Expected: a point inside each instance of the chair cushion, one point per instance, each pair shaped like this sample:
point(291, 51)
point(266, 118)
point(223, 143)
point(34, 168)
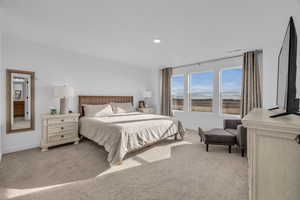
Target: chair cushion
point(232, 131)
point(219, 136)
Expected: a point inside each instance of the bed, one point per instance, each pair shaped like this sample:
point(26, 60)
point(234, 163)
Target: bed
point(122, 133)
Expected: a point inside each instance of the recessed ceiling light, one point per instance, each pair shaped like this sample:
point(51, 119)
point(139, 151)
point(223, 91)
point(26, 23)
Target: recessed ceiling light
point(156, 41)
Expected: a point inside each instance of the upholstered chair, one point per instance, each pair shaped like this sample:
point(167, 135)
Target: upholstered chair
point(235, 127)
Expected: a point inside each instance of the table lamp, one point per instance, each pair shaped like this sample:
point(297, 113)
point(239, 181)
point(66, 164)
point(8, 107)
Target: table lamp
point(63, 92)
point(147, 95)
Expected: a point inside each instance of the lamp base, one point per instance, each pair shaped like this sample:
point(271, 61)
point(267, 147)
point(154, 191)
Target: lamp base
point(63, 106)
point(147, 101)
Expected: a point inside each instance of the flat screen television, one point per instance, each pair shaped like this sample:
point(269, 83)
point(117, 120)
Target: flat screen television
point(287, 73)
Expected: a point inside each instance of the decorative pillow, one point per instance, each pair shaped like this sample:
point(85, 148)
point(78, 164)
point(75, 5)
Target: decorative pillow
point(122, 107)
point(97, 110)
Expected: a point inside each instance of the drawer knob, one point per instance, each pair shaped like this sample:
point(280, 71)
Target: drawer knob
point(62, 136)
point(62, 120)
point(298, 139)
point(62, 128)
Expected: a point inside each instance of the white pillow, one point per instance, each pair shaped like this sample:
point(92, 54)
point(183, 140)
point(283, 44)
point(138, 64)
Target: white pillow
point(98, 110)
point(122, 107)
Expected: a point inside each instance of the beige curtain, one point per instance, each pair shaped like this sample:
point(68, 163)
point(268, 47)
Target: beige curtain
point(166, 92)
point(251, 90)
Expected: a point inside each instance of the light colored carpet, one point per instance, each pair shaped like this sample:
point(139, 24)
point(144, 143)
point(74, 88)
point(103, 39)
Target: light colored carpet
point(20, 122)
point(170, 170)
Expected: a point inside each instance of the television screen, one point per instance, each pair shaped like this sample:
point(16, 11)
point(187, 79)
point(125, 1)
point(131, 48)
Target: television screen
point(287, 72)
point(283, 63)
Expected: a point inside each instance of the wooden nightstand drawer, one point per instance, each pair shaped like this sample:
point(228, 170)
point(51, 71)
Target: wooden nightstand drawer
point(62, 120)
point(62, 127)
point(62, 136)
point(63, 133)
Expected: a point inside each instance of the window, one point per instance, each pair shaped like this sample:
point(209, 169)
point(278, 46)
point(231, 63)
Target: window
point(177, 92)
point(201, 91)
point(212, 87)
point(231, 84)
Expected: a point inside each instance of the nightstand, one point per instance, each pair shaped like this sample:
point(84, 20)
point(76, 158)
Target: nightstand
point(59, 129)
point(149, 110)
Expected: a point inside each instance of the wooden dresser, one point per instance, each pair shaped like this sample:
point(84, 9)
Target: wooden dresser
point(19, 108)
point(273, 156)
point(59, 129)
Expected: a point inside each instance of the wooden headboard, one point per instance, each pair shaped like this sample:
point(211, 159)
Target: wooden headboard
point(96, 100)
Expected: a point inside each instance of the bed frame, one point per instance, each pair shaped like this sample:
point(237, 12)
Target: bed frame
point(96, 100)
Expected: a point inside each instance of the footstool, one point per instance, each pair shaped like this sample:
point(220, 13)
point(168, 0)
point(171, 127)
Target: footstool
point(217, 136)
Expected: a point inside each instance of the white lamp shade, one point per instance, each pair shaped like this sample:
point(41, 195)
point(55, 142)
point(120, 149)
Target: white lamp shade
point(147, 94)
point(63, 91)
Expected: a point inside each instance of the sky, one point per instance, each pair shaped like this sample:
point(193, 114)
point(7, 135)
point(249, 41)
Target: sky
point(232, 80)
point(201, 84)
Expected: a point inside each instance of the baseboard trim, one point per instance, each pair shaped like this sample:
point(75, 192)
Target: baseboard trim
point(19, 148)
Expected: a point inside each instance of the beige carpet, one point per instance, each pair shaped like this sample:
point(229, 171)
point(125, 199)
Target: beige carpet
point(171, 170)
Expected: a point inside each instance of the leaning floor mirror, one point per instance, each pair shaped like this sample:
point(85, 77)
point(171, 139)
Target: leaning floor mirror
point(20, 101)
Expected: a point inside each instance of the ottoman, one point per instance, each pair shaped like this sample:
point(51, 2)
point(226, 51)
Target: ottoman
point(217, 136)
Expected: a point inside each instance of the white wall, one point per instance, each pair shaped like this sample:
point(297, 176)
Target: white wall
point(1, 101)
point(88, 75)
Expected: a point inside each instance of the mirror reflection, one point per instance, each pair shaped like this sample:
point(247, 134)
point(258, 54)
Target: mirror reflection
point(21, 101)
point(20, 85)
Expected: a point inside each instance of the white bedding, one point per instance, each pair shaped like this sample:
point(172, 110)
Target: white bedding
point(122, 133)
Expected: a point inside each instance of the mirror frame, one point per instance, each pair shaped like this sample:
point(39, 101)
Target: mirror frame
point(8, 101)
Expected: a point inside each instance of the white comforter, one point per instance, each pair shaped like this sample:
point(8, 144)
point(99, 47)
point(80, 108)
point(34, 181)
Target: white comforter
point(122, 133)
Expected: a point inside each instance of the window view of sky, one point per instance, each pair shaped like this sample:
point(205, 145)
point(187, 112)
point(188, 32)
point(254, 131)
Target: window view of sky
point(231, 83)
point(201, 85)
point(177, 86)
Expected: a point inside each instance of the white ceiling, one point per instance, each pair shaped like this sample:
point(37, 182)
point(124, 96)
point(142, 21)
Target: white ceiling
point(190, 30)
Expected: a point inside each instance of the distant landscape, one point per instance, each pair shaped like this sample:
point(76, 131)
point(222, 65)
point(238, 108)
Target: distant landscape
point(201, 90)
point(229, 106)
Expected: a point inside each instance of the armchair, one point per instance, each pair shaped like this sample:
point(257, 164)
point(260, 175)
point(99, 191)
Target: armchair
point(235, 127)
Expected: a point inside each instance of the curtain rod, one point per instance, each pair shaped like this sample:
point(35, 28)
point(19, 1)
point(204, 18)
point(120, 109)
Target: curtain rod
point(214, 60)
point(207, 61)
